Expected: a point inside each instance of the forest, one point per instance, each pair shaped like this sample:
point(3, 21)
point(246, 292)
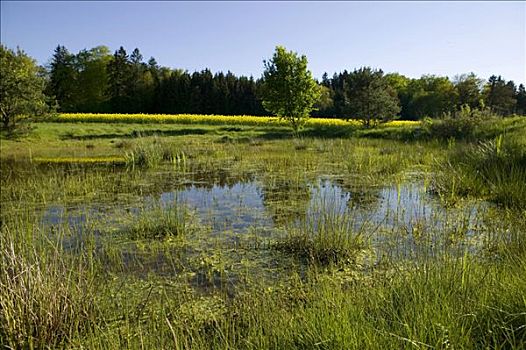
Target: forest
point(96, 81)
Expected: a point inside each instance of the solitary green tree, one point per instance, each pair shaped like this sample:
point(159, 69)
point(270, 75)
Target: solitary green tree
point(369, 97)
point(289, 91)
point(21, 89)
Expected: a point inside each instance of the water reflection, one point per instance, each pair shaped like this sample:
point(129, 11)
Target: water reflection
point(402, 221)
point(267, 202)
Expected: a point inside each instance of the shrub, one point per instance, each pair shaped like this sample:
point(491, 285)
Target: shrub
point(462, 124)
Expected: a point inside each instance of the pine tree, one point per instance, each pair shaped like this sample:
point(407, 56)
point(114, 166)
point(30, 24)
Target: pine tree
point(521, 100)
point(369, 97)
point(63, 77)
point(500, 96)
point(119, 81)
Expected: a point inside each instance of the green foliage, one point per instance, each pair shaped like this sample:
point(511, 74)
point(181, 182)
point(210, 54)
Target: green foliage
point(326, 100)
point(21, 90)
point(429, 96)
point(521, 100)
point(461, 124)
point(369, 97)
point(79, 82)
point(92, 79)
point(468, 90)
point(289, 91)
point(62, 78)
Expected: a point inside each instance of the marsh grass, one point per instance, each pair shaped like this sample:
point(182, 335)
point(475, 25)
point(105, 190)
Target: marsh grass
point(325, 238)
point(102, 296)
point(47, 297)
point(161, 222)
point(494, 170)
point(444, 303)
point(150, 153)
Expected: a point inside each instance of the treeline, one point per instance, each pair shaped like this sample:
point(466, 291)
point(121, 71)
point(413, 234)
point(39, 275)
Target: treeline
point(96, 81)
point(432, 96)
point(100, 82)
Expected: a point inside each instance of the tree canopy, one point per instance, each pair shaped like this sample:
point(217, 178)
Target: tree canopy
point(289, 90)
point(21, 88)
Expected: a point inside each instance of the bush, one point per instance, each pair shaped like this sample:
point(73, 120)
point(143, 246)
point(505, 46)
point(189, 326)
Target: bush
point(462, 124)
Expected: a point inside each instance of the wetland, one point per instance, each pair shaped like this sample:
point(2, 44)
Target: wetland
point(177, 236)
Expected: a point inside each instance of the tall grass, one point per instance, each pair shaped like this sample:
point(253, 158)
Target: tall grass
point(445, 303)
point(494, 170)
point(150, 153)
point(51, 297)
point(47, 297)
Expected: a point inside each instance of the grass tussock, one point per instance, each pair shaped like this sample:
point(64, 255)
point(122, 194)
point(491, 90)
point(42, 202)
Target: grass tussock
point(326, 239)
point(47, 298)
point(150, 153)
point(161, 222)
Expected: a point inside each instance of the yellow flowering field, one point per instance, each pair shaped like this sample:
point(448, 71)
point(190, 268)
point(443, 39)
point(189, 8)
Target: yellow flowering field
point(205, 119)
point(80, 160)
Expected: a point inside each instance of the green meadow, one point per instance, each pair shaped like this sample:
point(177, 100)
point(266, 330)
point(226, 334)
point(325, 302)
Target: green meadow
point(209, 235)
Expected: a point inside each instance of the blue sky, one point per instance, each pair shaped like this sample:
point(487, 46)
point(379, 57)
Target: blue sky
point(413, 38)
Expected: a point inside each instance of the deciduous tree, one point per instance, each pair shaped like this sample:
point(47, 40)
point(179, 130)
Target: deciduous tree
point(21, 89)
point(289, 90)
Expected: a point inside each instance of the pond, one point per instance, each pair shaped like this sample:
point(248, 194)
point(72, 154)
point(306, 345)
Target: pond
point(399, 220)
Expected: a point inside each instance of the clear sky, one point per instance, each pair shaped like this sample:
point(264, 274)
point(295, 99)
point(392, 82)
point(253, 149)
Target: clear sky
point(413, 38)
